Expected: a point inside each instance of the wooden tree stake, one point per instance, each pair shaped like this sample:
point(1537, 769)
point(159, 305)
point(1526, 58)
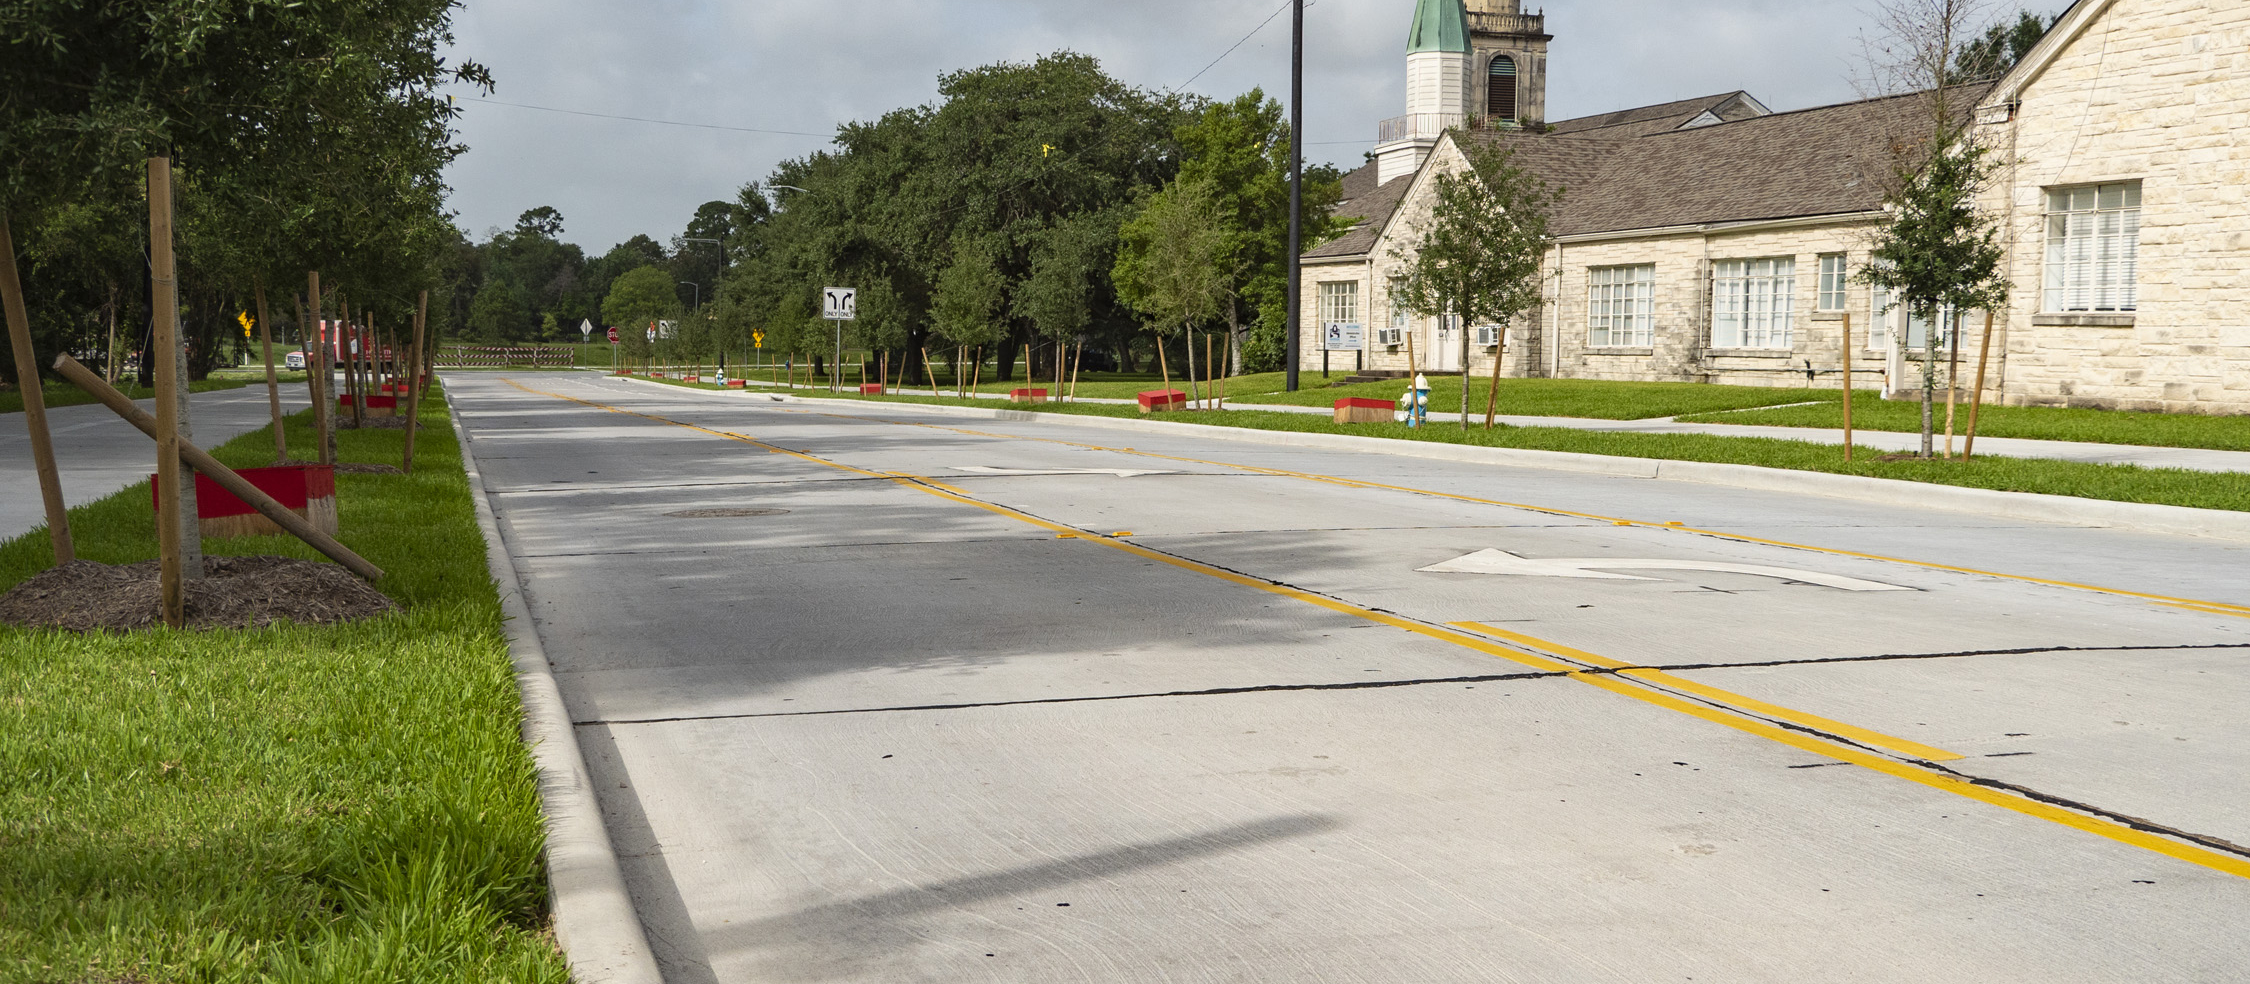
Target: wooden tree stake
point(273, 382)
point(1952, 385)
point(34, 400)
point(1074, 363)
point(165, 309)
point(281, 515)
point(1492, 396)
point(1976, 395)
point(1847, 386)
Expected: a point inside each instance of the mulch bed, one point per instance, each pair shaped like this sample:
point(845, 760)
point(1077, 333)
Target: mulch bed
point(234, 592)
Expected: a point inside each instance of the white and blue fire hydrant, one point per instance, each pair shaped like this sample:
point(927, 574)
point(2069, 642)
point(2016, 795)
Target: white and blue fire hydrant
point(1414, 407)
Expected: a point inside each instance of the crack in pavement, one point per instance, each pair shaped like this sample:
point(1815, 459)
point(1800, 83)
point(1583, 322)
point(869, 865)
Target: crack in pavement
point(1270, 688)
point(2032, 650)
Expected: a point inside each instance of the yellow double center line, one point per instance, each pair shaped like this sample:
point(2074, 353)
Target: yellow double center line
point(1818, 735)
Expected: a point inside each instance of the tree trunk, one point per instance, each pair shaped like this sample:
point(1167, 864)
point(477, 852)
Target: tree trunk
point(1193, 393)
point(1929, 382)
point(1463, 328)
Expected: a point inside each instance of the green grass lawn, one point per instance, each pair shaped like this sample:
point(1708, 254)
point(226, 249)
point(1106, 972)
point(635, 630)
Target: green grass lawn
point(288, 804)
point(1526, 397)
point(61, 394)
point(2125, 483)
point(2171, 430)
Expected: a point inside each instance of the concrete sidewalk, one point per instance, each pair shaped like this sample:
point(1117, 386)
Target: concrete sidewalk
point(99, 453)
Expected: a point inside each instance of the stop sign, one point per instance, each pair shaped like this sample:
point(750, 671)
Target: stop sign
point(613, 335)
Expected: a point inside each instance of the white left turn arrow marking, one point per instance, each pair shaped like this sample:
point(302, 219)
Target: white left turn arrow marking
point(1503, 562)
point(1119, 472)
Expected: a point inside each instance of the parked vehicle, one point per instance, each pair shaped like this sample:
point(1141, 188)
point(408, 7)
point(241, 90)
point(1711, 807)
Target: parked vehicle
point(295, 360)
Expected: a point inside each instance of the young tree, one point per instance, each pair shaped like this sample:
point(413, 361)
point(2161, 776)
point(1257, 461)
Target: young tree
point(1172, 264)
point(1476, 256)
point(971, 295)
point(1940, 249)
point(635, 299)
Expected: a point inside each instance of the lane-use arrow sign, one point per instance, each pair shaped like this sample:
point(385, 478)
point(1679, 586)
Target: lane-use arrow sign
point(1503, 562)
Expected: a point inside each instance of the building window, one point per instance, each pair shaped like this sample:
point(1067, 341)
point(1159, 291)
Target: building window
point(1620, 306)
point(1833, 278)
point(2093, 248)
point(1339, 302)
point(1500, 90)
point(1750, 302)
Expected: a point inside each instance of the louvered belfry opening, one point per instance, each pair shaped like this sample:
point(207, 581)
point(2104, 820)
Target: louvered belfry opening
point(1500, 92)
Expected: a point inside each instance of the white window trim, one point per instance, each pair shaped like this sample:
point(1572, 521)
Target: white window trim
point(2092, 253)
point(1631, 287)
point(1754, 308)
point(1842, 293)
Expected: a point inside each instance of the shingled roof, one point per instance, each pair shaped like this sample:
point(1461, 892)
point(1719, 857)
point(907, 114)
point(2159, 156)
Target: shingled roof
point(1652, 119)
point(1371, 204)
point(1628, 174)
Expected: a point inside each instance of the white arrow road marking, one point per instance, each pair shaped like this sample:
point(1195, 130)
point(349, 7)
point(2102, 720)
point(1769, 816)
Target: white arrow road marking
point(1119, 472)
point(1503, 562)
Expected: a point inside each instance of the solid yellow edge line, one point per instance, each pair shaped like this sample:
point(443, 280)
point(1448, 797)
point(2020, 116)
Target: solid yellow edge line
point(2229, 864)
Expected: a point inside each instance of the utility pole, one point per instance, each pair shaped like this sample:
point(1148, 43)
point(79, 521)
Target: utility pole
point(1296, 187)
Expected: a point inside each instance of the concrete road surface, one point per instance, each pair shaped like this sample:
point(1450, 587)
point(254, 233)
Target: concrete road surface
point(99, 453)
point(873, 694)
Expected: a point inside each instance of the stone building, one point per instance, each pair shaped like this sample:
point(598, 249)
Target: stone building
point(1712, 240)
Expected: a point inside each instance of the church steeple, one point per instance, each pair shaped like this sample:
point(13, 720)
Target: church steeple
point(1507, 63)
point(1439, 25)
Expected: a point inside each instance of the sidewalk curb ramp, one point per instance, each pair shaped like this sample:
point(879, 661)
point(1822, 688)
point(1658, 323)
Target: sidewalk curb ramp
point(600, 933)
point(2035, 507)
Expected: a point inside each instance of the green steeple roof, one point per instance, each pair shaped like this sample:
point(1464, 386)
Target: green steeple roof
point(1439, 25)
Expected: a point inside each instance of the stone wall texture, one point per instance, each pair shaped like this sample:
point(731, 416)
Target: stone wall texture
point(2155, 91)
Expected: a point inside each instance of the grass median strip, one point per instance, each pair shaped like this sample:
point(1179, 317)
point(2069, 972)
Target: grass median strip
point(303, 802)
point(2120, 483)
point(2164, 430)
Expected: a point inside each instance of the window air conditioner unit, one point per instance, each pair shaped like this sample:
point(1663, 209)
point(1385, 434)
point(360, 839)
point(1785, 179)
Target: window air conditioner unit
point(1387, 336)
point(1488, 335)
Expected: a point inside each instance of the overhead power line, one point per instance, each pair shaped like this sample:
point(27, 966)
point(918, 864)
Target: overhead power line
point(1231, 48)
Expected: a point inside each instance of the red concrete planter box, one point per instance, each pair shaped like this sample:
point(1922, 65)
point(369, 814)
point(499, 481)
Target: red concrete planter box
point(308, 490)
point(656, 375)
point(876, 388)
point(1155, 401)
point(694, 379)
point(622, 372)
point(737, 383)
point(1359, 410)
point(1027, 396)
point(377, 406)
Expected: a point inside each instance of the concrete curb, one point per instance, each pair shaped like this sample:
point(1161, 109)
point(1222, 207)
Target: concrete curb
point(2035, 507)
point(600, 933)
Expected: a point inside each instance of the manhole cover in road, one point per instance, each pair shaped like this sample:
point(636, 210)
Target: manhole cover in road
point(723, 513)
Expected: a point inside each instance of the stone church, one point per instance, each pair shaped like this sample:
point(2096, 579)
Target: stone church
point(1714, 240)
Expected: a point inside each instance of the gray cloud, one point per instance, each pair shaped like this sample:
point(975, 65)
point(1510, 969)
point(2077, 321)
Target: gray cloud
point(801, 66)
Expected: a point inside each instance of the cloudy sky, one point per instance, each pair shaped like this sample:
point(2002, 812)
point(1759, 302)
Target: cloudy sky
point(793, 65)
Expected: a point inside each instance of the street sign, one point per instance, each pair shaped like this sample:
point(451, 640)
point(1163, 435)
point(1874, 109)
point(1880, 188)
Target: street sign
point(839, 303)
point(1342, 335)
point(758, 339)
point(585, 329)
point(613, 334)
